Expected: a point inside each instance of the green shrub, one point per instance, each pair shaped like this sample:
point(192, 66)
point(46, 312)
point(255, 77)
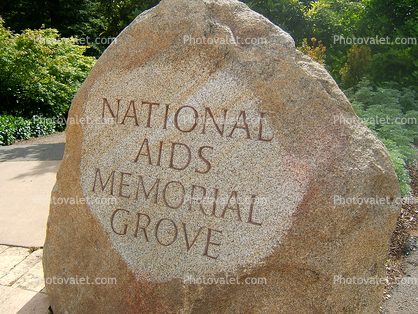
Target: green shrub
point(399, 109)
point(40, 72)
point(357, 66)
point(17, 128)
point(316, 53)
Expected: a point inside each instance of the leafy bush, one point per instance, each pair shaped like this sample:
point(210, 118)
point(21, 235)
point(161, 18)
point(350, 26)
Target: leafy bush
point(399, 110)
point(17, 128)
point(290, 15)
point(316, 53)
point(357, 66)
point(40, 72)
point(398, 64)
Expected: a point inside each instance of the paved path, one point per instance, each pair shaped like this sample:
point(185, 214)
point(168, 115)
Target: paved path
point(404, 297)
point(27, 176)
point(21, 281)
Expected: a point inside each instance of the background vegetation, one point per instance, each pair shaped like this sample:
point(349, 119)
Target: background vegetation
point(41, 77)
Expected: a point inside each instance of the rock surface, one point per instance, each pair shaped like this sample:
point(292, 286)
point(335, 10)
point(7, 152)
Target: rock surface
point(204, 147)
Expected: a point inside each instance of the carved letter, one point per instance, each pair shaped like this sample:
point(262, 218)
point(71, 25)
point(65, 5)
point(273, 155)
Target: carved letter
point(149, 111)
point(205, 253)
point(157, 184)
point(159, 153)
point(165, 117)
point(122, 185)
point(196, 117)
point(143, 228)
point(112, 175)
point(204, 160)
point(115, 117)
point(147, 153)
point(165, 197)
point(131, 104)
point(215, 201)
point(220, 131)
point(228, 206)
point(250, 214)
point(245, 127)
point(198, 200)
point(189, 156)
point(260, 131)
point(187, 238)
point(113, 217)
point(175, 232)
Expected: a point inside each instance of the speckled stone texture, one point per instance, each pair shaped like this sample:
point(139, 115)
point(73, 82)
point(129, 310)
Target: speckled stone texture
point(189, 160)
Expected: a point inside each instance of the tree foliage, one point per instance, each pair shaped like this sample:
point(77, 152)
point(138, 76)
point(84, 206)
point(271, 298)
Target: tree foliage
point(391, 113)
point(327, 20)
point(77, 18)
point(316, 53)
point(290, 15)
point(357, 66)
point(40, 72)
point(118, 14)
point(324, 20)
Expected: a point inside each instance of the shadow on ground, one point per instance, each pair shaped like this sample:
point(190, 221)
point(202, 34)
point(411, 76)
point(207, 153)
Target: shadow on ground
point(32, 152)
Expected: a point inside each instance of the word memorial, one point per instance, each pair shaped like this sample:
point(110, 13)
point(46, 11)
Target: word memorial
point(216, 161)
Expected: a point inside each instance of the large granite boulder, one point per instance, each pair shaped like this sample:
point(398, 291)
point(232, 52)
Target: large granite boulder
point(210, 168)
